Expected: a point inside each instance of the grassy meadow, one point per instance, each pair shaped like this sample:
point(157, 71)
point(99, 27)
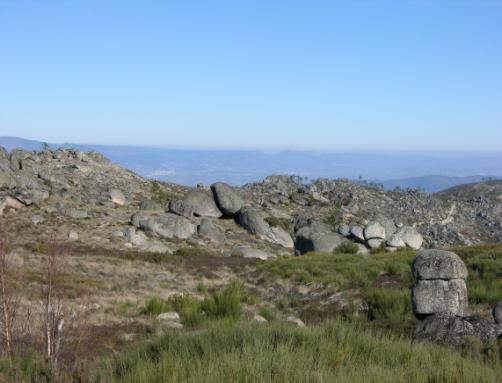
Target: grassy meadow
point(220, 342)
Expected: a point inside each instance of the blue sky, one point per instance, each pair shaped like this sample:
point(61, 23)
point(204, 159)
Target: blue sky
point(407, 75)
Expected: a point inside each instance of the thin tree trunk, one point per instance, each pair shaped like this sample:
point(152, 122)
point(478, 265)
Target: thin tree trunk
point(5, 314)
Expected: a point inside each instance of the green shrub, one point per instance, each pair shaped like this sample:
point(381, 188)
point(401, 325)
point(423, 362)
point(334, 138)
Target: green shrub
point(156, 306)
point(225, 303)
point(159, 195)
point(347, 247)
point(386, 303)
point(278, 222)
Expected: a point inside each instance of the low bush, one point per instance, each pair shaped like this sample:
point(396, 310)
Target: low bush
point(386, 303)
point(225, 303)
point(347, 247)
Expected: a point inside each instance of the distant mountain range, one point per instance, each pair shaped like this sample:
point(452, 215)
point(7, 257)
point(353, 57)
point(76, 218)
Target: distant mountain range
point(237, 167)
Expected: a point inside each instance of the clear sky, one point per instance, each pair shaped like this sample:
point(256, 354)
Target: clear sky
point(254, 74)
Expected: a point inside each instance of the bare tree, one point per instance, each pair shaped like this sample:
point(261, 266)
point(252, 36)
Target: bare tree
point(6, 302)
point(54, 305)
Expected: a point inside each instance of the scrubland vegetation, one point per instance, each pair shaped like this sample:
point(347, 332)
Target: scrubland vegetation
point(220, 344)
point(335, 351)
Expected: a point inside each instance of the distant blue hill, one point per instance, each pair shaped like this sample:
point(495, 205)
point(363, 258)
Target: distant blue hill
point(391, 169)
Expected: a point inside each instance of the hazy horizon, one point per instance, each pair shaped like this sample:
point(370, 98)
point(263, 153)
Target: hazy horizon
point(320, 75)
point(431, 171)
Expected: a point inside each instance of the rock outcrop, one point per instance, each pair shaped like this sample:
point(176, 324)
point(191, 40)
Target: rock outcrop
point(448, 329)
point(440, 284)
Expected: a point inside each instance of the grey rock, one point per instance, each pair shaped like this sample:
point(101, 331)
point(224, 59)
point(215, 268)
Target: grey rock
point(396, 241)
point(73, 236)
point(33, 197)
point(358, 233)
point(497, 312)
point(388, 224)
point(253, 220)
point(209, 230)
point(344, 230)
point(438, 264)
point(169, 316)
point(150, 205)
point(74, 212)
point(117, 197)
point(249, 252)
point(308, 239)
point(9, 203)
point(37, 219)
point(281, 237)
point(7, 179)
point(296, 321)
point(154, 246)
point(374, 229)
point(407, 235)
point(227, 199)
point(135, 237)
point(16, 156)
point(447, 329)
point(259, 319)
point(167, 225)
point(375, 243)
point(435, 296)
point(203, 205)
point(179, 207)
point(362, 250)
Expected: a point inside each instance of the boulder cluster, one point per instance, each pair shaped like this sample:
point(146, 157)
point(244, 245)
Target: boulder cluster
point(197, 213)
point(381, 232)
point(439, 298)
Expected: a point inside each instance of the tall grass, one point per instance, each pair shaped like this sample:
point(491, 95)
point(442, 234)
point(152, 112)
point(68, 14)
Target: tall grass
point(224, 303)
point(332, 352)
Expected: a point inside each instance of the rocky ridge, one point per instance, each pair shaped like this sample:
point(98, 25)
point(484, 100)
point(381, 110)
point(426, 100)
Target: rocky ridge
point(86, 198)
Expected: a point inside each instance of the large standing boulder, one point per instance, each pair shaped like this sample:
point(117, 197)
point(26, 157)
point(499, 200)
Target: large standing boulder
point(440, 284)
point(227, 199)
point(448, 329)
point(203, 205)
